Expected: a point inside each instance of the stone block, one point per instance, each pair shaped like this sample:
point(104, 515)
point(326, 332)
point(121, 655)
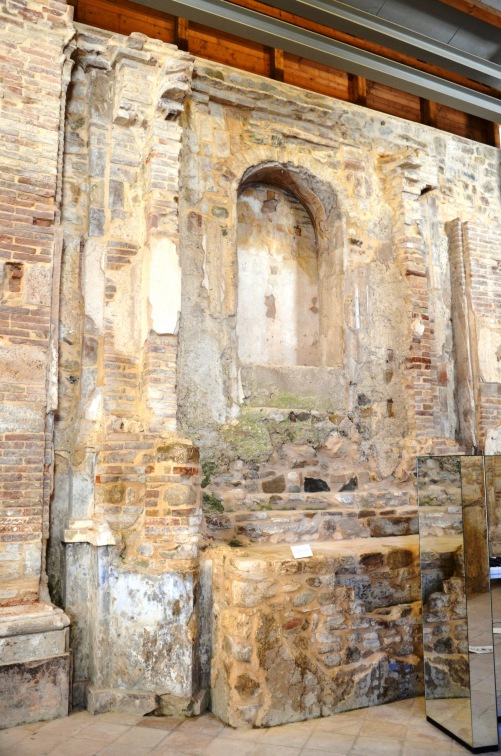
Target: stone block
point(33, 691)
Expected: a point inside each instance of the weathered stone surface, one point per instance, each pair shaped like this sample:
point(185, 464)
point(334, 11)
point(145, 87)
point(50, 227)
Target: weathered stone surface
point(314, 646)
point(34, 690)
point(276, 277)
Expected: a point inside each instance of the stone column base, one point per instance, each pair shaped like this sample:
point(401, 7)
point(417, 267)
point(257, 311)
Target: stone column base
point(100, 700)
point(36, 664)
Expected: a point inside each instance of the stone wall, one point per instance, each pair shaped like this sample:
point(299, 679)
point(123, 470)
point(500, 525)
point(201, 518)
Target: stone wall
point(300, 639)
point(281, 439)
point(128, 254)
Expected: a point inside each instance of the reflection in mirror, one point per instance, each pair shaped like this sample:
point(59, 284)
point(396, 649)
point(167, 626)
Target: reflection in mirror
point(493, 492)
point(454, 494)
point(478, 603)
point(445, 632)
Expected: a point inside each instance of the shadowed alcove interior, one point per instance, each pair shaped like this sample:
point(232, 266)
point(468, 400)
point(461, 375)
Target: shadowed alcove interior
point(289, 269)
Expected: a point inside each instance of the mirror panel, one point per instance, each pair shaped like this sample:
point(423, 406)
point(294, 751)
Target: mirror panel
point(458, 649)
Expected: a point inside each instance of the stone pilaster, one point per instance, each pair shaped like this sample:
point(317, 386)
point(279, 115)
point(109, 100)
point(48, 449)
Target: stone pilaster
point(406, 177)
point(131, 510)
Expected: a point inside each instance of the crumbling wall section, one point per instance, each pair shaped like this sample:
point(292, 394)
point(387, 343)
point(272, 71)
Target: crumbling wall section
point(127, 502)
point(35, 49)
point(278, 440)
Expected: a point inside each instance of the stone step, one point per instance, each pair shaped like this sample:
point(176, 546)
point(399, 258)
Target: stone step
point(303, 526)
point(357, 500)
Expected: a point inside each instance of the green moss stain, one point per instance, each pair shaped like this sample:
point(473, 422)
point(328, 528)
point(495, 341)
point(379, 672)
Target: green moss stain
point(249, 438)
point(208, 469)
point(212, 504)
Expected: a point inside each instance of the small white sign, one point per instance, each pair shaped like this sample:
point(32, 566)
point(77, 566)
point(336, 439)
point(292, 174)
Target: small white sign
point(301, 550)
point(481, 649)
point(496, 630)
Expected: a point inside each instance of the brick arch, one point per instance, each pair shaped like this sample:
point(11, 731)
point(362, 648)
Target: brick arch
point(316, 195)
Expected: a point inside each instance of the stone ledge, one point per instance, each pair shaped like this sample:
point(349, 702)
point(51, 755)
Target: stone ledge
point(31, 618)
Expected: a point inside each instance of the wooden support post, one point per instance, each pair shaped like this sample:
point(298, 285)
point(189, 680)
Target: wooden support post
point(277, 70)
point(428, 112)
point(181, 29)
point(358, 89)
point(493, 135)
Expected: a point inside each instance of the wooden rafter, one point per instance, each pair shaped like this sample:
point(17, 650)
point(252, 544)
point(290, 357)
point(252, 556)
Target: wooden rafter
point(476, 9)
point(362, 44)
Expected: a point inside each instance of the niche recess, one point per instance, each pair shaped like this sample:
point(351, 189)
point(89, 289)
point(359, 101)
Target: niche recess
point(289, 240)
point(278, 307)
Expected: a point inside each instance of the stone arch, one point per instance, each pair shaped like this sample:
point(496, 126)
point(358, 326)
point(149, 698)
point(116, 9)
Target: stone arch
point(307, 329)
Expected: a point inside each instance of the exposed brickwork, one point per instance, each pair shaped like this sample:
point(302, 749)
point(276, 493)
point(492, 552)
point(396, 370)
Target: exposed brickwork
point(34, 76)
point(405, 181)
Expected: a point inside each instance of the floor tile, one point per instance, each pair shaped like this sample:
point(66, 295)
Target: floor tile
point(254, 735)
point(325, 741)
point(208, 725)
point(141, 737)
point(221, 747)
point(10, 738)
point(274, 750)
point(161, 723)
point(353, 733)
point(294, 735)
point(69, 726)
point(424, 732)
point(375, 728)
point(36, 745)
point(114, 749)
point(365, 746)
point(186, 742)
point(123, 717)
point(76, 747)
point(103, 731)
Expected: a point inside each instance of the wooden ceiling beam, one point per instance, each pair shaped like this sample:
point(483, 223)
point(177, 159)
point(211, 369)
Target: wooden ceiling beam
point(476, 9)
point(362, 44)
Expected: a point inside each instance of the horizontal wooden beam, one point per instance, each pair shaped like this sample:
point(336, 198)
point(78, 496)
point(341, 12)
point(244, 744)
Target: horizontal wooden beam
point(364, 44)
point(476, 9)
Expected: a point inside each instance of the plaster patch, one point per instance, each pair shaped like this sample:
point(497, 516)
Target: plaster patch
point(165, 286)
point(37, 285)
point(93, 282)
point(488, 346)
point(25, 365)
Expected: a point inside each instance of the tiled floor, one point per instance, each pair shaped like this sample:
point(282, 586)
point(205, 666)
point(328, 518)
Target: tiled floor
point(397, 729)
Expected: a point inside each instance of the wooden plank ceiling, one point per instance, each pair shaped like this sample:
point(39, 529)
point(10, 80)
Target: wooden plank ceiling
point(125, 17)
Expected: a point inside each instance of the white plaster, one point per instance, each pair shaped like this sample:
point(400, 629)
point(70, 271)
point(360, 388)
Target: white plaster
point(493, 441)
point(489, 353)
point(418, 328)
point(93, 281)
point(278, 298)
point(165, 286)
point(94, 408)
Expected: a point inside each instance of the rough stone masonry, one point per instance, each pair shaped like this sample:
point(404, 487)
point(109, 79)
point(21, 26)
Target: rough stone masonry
point(233, 313)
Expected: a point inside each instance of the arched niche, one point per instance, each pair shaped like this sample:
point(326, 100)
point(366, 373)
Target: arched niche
point(290, 263)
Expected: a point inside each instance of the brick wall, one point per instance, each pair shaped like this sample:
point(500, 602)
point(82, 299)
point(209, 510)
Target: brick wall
point(34, 73)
